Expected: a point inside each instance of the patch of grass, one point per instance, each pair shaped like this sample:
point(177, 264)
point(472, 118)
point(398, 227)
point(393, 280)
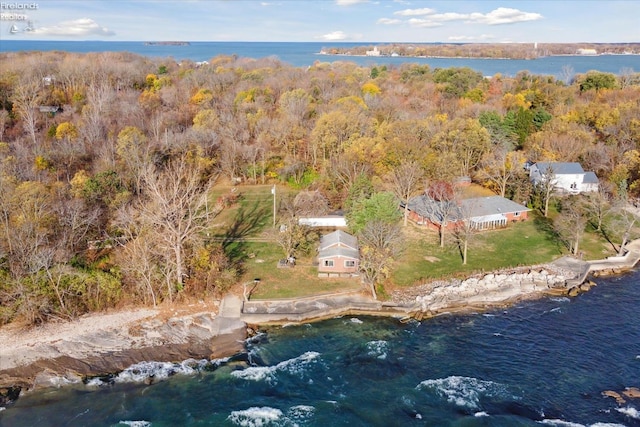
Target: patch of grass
point(260, 260)
point(524, 243)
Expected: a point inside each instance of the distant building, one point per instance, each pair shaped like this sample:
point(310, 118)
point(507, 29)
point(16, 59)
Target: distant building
point(338, 254)
point(374, 52)
point(566, 177)
point(587, 52)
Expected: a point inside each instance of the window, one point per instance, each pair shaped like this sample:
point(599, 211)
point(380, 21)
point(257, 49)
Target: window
point(349, 263)
point(328, 263)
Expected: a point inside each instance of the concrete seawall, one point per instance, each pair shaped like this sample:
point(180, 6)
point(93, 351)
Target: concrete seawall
point(564, 276)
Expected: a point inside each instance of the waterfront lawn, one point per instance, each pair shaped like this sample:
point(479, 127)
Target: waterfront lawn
point(260, 260)
point(524, 243)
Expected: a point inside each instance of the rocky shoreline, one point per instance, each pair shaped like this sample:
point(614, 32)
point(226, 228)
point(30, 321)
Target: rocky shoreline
point(100, 345)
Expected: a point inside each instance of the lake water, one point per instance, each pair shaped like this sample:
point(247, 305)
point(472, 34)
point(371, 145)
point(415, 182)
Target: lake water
point(305, 54)
point(543, 362)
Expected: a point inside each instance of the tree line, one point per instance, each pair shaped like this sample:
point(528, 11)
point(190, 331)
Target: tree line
point(107, 160)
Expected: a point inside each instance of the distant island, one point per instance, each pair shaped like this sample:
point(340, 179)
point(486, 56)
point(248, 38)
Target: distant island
point(485, 50)
point(167, 43)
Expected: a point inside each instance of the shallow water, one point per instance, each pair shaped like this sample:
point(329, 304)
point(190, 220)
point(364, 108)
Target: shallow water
point(543, 362)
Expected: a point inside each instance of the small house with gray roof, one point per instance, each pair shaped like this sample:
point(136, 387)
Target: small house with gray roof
point(338, 254)
point(566, 177)
point(484, 213)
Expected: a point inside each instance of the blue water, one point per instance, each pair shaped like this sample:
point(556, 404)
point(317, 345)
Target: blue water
point(543, 362)
point(305, 54)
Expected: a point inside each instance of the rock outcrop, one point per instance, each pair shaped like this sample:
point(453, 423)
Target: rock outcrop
point(108, 350)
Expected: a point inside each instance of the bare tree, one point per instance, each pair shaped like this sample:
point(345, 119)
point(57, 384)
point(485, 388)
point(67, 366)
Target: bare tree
point(598, 206)
point(465, 228)
point(26, 100)
point(623, 224)
point(441, 206)
point(380, 244)
point(571, 222)
point(500, 167)
point(405, 183)
point(544, 188)
point(175, 204)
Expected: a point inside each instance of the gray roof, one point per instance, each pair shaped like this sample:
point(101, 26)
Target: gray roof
point(483, 206)
point(560, 168)
point(473, 207)
point(590, 178)
point(339, 252)
point(338, 237)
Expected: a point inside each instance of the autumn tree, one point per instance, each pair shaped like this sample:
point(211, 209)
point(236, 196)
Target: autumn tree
point(405, 181)
point(465, 141)
point(500, 167)
point(381, 242)
point(570, 222)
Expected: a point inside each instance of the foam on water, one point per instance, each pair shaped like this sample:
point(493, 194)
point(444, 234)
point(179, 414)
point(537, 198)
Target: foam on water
point(480, 414)
point(255, 416)
point(135, 423)
point(561, 423)
point(463, 391)
point(267, 373)
point(145, 371)
point(265, 416)
point(378, 349)
point(630, 411)
point(560, 299)
point(356, 320)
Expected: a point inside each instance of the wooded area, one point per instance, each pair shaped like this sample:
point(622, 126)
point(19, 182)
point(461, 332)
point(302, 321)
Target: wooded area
point(108, 160)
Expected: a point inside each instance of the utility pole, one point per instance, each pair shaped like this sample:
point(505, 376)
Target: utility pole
point(273, 191)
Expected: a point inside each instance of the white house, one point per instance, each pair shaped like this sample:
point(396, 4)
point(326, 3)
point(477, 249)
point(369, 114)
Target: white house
point(566, 177)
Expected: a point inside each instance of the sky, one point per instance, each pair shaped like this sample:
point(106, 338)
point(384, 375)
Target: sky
point(480, 21)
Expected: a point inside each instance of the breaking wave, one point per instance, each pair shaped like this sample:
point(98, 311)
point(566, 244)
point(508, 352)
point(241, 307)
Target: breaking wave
point(630, 412)
point(156, 371)
point(268, 373)
point(463, 391)
point(266, 416)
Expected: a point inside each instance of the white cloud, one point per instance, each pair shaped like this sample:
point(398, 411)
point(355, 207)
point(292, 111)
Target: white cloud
point(350, 2)
point(415, 12)
point(424, 23)
point(427, 17)
point(333, 36)
point(77, 28)
point(388, 21)
point(470, 38)
point(504, 15)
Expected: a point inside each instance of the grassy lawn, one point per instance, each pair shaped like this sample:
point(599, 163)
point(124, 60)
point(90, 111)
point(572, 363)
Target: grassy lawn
point(259, 260)
point(246, 232)
point(525, 243)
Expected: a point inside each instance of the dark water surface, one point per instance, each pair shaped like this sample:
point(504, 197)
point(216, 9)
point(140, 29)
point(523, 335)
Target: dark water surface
point(305, 54)
point(543, 362)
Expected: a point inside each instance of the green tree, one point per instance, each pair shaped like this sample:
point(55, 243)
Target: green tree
point(382, 206)
point(597, 81)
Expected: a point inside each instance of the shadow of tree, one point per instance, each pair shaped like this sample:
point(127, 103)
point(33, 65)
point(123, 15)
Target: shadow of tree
point(248, 221)
point(545, 225)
